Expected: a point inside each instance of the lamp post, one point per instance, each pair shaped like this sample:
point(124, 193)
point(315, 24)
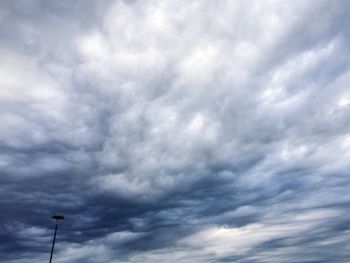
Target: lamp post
point(57, 218)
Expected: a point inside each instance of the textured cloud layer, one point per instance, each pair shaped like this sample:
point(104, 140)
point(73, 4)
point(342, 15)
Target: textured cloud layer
point(175, 131)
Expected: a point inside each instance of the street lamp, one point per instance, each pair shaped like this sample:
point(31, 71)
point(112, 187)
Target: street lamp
point(57, 218)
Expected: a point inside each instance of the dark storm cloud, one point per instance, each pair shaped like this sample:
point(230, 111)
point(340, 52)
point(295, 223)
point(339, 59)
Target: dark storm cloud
point(179, 132)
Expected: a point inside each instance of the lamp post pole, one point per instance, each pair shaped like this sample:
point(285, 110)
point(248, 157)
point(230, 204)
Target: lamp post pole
point(56, 217)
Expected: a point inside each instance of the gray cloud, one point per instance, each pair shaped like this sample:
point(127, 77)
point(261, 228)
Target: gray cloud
point(175, 131)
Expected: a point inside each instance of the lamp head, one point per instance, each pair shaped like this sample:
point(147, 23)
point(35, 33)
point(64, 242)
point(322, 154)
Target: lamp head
point(58, 217)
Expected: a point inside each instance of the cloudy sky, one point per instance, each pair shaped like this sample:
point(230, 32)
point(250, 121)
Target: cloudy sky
point(175, 131)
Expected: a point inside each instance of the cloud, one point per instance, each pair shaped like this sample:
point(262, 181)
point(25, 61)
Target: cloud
point(174, 131)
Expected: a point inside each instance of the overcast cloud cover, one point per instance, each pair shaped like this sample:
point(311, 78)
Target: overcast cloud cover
point(175, 131)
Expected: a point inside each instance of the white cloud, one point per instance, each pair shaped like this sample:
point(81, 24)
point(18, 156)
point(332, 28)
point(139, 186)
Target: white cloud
point(231, 117)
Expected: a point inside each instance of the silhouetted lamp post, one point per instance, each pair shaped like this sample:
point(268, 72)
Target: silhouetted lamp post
point(57, 218)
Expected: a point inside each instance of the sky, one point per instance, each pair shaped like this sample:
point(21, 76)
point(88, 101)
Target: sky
point(175, 131)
